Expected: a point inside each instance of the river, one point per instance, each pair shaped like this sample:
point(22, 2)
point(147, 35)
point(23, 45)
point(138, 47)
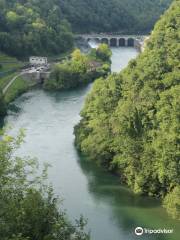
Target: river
point(112, 210)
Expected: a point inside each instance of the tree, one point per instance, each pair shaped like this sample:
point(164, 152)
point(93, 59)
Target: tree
point(34, 27)
point(80, 69)
point(172, 204)
point(104, 52)
point(113, 16)
point(79, 61)
point(28, 207)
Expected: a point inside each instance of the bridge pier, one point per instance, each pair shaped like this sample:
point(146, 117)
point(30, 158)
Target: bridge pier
point(126, 42)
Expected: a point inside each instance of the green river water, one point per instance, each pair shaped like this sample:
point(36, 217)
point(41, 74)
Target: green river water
point(112, 210)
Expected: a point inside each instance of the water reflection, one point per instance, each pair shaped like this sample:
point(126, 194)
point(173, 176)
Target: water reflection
point(128, 210)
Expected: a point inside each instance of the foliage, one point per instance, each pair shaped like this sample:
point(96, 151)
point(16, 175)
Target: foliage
point(28, 207)
point(172, 203)
point(33, 27)
point(113, 16)
point(103, 53)
point(131, 121)
point(80, 69)
point(43, 27)
point(18, 87)
point(2, 105)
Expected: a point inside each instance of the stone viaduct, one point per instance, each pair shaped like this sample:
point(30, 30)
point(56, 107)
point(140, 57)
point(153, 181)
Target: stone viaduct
point(114, 40)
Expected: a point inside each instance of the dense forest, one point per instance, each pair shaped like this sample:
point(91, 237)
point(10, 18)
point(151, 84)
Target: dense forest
point(128, 16)
point(28, 208)
point(31, 27)
point(131, 121)
point(80, 69)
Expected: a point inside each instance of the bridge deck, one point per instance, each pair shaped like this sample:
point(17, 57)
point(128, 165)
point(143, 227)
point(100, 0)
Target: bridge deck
point(110, 36)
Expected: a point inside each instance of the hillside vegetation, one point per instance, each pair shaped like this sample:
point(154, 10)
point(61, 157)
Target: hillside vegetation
point(131, 121)
point(33, 27)
point(129, 16)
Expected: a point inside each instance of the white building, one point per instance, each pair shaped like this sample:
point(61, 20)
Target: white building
point(38, 60)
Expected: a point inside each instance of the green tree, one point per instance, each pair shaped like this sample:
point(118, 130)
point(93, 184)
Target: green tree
point(80, 69)
point(172, 203)
point(113, 16)
point(104, 52)
point(34, 27)
point(28, 207)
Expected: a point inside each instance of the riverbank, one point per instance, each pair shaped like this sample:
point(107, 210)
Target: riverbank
point(13, 85)
point(18, 87)
point(10, 67)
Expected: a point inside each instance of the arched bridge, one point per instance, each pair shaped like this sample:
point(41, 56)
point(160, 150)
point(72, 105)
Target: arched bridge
point(115, 40)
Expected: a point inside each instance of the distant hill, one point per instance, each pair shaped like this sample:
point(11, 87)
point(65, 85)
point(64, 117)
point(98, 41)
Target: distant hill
point(130, 16)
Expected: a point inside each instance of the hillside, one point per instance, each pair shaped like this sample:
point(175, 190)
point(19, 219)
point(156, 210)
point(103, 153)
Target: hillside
point(129, 16)
point(131, 123)
point(31, 27)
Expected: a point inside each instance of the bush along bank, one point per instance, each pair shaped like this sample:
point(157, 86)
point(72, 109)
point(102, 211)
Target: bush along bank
point(80, 69)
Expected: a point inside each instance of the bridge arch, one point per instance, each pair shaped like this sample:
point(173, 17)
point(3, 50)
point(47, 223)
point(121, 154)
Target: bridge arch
point(105, 40)
point(122, 42)
point(97, 40)
point(113, 42)
point(130, 42)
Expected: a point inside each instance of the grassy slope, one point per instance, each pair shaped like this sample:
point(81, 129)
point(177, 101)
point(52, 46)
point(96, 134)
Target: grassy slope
point(18, 87)
point(5, 80)
point(9, 69)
